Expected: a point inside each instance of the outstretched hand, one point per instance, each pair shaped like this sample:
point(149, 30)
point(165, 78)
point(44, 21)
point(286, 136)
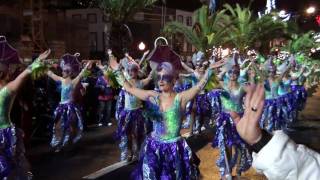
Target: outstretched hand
point(248, 127)
point(44, 55)
point(146, 53)
point(218, 64)
point(88, 65)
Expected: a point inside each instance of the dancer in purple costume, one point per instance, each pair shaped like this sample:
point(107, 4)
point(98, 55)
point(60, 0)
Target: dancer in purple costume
point(131, 122)
point(13, 163)
point(165, 154)
point(68, 124)
point(201, 105)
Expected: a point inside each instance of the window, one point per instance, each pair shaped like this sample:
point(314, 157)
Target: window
point(92, 18)
point(189, 21)
point(93, 41)
point(180, 18)
point(76, 16)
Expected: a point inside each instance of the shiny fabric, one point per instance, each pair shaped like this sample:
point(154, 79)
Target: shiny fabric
point(131, 122)
point(6, 101)
point(300, 95)
point(271, 119)
point(166, 125)
point(227, 138)
point(68, 125)
point(66, 92)
point(131, 102)
point(288, 112)
point(165, 155)
point(120, 104)
point(13, 164)
point(166, 160)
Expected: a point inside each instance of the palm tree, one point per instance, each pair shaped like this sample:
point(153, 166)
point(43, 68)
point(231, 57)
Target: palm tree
point(120, 11)
point(245, 30)
point(206, 32)
point(300, 43)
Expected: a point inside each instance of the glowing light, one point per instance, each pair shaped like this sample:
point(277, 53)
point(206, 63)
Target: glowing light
point(318, 20)
point(282, 13)
point(141, 46)
point(311, 10)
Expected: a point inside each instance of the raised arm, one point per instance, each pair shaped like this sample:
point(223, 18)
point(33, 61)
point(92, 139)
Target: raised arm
point(143, 57)
point(139, 93)
point(187, 68)
point(54, 76)
point(188, 95)
point(14, 85)
point(147, 80)
point(76, 80)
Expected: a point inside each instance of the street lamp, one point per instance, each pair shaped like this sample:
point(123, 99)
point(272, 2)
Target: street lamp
point(141, 46)
point(311, 10)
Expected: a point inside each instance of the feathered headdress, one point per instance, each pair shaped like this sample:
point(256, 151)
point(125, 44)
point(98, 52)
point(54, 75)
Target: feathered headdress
point(71, 61)
point(198, 58)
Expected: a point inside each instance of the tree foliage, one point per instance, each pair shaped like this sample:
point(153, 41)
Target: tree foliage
point(206, 32)
point(121, 10)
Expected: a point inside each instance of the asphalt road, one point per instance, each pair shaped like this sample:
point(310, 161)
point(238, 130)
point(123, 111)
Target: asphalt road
point(98, 149)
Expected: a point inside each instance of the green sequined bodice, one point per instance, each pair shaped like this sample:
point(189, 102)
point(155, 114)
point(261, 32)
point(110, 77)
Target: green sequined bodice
point(6, 101)
point(168, 126)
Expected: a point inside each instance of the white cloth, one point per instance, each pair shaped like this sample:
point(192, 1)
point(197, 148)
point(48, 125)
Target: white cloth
point(283, 159)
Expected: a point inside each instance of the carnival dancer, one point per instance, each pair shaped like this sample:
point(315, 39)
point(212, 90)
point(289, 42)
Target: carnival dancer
point(165, 154)
point(201, 106)
point(13, 163)
point(230, 109)
point(298, 75)
point(68, 124)
point(131, 122)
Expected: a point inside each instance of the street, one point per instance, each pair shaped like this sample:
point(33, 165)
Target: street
point(97, 150)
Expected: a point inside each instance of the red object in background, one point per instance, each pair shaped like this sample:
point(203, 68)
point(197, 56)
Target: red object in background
point(318, 19)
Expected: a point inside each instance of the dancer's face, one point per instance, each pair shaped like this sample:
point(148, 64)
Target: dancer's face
point(234, 74)
point(272, 73)
point(66, 72)
point(133, 73)
point(165, 81)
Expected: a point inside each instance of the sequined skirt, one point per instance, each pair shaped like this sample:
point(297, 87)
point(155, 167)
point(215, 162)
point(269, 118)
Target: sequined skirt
point(202, 105)
point(13, 163)
point(300, 95)
point(68, 125)
point(166, 161)
point(120, 104)
point(287, 109)
point(131, 122)
point(227, 137)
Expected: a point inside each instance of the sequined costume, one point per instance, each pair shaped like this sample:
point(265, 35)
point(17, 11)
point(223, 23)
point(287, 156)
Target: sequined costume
point(288, 112)
point(222, 103)
point(68, 124)
point(270, 119)
point(202, 104)
point(299, 92)
point(131, 123)
point(13, 163)
point(165, 154)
